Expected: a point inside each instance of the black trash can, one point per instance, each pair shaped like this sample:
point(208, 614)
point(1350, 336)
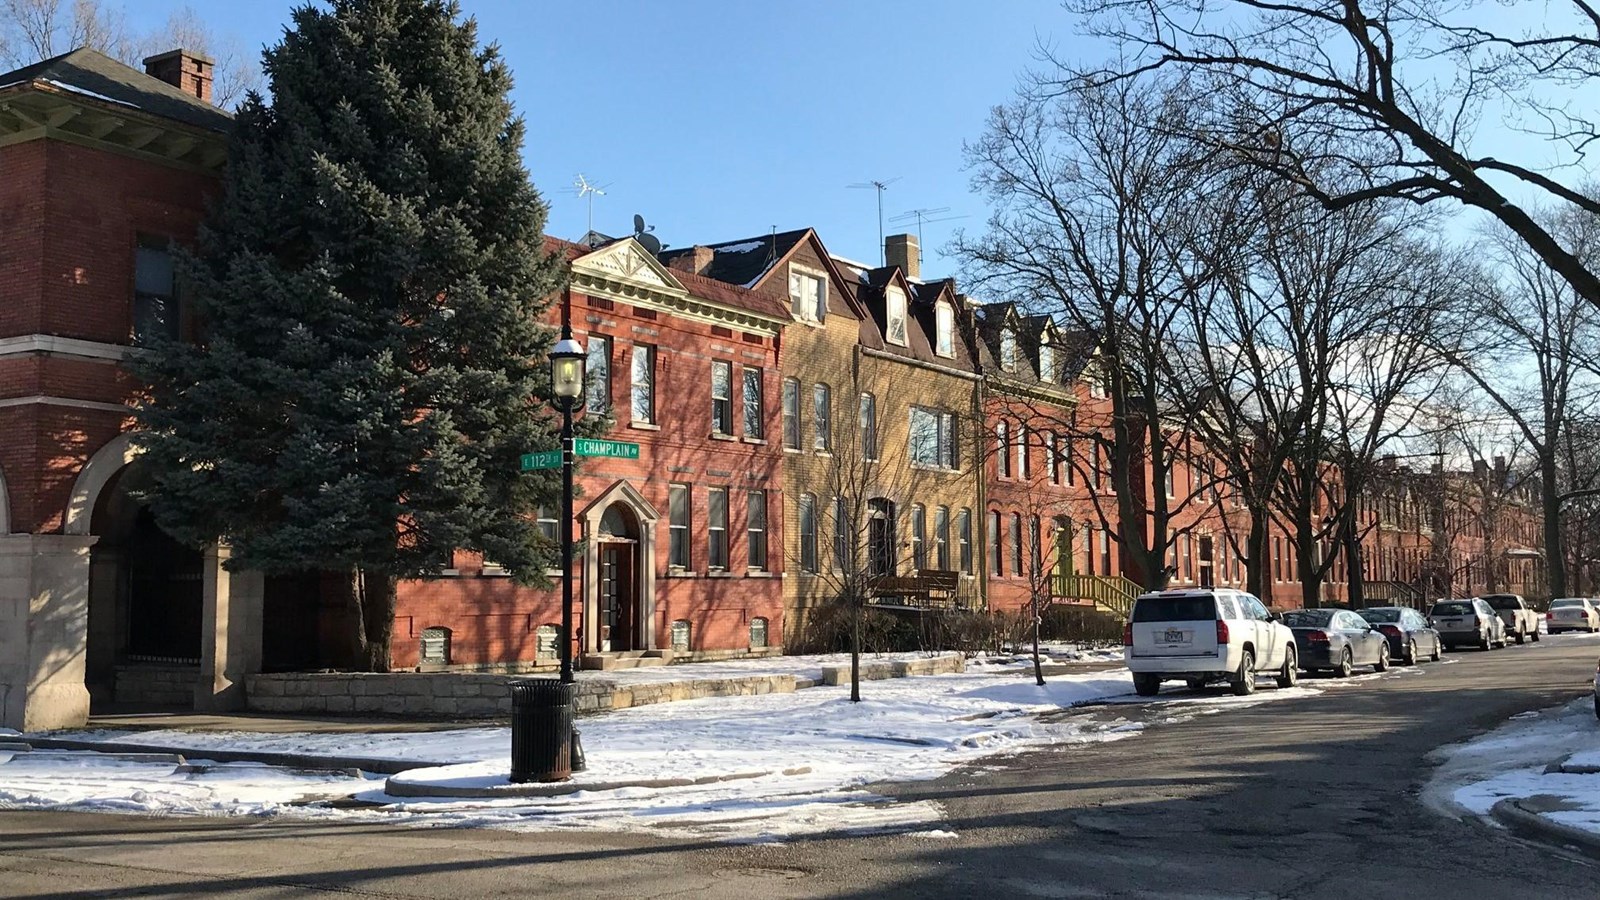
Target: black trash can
point(541, 729)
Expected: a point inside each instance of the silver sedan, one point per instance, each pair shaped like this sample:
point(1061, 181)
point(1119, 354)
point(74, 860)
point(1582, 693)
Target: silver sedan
point(1572, 614)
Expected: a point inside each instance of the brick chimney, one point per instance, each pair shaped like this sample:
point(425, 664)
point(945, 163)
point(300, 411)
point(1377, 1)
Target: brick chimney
point(902, 250)
point(697, 261)
point(188, 72)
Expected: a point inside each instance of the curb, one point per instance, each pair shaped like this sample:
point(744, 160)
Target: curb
point(562, 788)
point(1510, 813)
point(286, 760)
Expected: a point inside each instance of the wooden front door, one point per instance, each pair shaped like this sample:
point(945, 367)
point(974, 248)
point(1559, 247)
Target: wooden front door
point(618, 597)
point(1207, 564)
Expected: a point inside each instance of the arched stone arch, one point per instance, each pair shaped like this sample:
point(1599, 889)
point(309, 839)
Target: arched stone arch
point(645, 515)
point(92, 479)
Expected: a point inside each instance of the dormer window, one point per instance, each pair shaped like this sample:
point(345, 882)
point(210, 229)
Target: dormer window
point(897, 315)
point(945, 342)
point(1008, 350)
point(808, 292)
point(1047, 361)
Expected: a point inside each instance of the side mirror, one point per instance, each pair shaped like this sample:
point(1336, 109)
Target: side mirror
point(1276, 617)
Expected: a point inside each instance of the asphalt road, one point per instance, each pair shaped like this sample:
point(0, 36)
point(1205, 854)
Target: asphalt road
point(1302, 798)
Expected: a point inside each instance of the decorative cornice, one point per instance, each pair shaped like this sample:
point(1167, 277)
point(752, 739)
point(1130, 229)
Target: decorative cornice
point(921, 364)
point(35, 110)
point(1054, 393)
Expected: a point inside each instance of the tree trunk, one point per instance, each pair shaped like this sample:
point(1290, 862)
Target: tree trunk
point(1355, 579)
point(1038, 668)
point(1550, 501)
point(855, 649)
point(375, 602)
point(1259, 558)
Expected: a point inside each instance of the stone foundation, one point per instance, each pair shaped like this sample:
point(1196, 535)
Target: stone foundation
point(156, 685)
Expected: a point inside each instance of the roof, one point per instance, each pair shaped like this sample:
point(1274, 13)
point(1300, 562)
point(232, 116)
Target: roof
point(1073, 349)
point(698, 286)
point(921, 319)
point(743, 262)
point(95, 75)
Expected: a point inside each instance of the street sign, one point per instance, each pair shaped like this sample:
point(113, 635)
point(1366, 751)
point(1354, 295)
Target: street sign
point(613, 449)
point(544, 459)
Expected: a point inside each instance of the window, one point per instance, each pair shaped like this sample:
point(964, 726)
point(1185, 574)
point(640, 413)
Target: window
point(1047, 361)
point(1188, 558)
point(721, 397)
point(869, 427)
point(945, 327)
point(808, 533)
point(678, 526)
point(941, 538)
point(933, 438)
point(756, 529)
point(809, 293)
point(1105, 552)
point(791, 414)
point(155, 295)
point(997, 564)
point(1024, 464)
point(919, 537)
point(1277, 560)
point(717, 529)
point(1172, 481)
point(548, 525)
point(1066, 460)
point(1002, 450)
point(753, 426)
point(644, 383)
point(1008, 350)
point(1014, 536)
point(822, 412)
point(1096, 471)
point(896, 302)
point(597, 397)
point(1097, 384)
point(758, 633)
point(964, 536)
point(843, 535)
point(1052, 457)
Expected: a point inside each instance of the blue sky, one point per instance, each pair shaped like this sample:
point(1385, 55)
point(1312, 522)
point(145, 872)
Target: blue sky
point(720, 120)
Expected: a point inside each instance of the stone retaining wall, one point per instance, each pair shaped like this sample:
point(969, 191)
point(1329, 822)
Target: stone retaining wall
point(878, 670)
point(456, 695)
point(155, 685)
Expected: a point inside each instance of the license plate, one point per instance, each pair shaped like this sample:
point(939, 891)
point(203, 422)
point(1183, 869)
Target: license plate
point(1174, 636)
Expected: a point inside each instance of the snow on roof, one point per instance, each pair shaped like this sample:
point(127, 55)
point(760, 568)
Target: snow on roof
point(87, 93)
point(745, 247)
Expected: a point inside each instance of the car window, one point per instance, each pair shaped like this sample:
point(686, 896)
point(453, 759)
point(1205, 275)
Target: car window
point(1308, 618)
point(1556, 603)
point(1174, 609)
point(1382, 615)
point(1352, 622)
point(1257, 610)
point(1453, 608)
point(1505, 603)
point(1229, 610)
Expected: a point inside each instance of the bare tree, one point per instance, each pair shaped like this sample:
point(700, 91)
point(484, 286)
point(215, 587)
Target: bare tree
point(1087, 187)
point(1354, 100)
point(1532, 347)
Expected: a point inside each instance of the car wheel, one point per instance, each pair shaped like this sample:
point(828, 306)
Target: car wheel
point(1346, 664)
point(1535, 634)
point(1244, 681)
point(1382, 665)
point(1411, 657)
point(1483, 642)
point(1195, 684)
point(1521, 637)
point(1438, 649)
point(1146, 685)
point(1289, 675)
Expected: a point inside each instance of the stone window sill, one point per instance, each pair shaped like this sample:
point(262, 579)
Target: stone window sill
point(720, 436)
point(644, 426)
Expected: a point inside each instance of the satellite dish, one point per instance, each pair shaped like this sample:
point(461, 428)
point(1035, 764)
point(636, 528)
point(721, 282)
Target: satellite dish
point(638, 224)
point(649, 243)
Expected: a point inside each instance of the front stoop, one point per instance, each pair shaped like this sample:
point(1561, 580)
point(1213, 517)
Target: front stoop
point(631, 659)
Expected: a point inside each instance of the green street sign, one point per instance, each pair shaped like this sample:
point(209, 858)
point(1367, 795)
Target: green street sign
point(544, 459)
point(613, 449)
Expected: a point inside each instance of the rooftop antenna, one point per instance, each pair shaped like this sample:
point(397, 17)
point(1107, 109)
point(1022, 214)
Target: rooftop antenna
point(922, 217)
point(879, 186)
point(583, 188)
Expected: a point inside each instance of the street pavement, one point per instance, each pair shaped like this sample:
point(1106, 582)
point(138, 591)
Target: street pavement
point(1313, 797)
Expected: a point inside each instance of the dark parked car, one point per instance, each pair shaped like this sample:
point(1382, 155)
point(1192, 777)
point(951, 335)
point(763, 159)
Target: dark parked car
point(1410, 636)
point(1336, 640)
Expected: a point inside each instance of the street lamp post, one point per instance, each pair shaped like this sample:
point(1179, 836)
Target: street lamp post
point(566, 378)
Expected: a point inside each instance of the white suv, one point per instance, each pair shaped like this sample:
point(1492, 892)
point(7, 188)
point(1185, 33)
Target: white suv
point(1203, 636)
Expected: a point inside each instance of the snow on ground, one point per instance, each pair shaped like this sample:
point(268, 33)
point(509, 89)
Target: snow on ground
point(1511, 762)
point(904, 729)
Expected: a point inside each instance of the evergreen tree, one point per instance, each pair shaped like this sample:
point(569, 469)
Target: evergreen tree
point(370, 286)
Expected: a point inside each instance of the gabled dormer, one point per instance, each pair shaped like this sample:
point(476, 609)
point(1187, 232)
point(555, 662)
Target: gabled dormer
point(791, 265)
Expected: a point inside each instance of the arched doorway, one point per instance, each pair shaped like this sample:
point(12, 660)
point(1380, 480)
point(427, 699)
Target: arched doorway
point(882, 549)
point(619, 589)
point(146, 602)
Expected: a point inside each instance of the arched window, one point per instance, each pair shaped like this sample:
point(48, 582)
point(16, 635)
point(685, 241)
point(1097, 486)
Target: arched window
point(758, 633)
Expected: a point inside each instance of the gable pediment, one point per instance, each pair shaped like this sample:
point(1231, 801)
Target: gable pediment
point(626, 268)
